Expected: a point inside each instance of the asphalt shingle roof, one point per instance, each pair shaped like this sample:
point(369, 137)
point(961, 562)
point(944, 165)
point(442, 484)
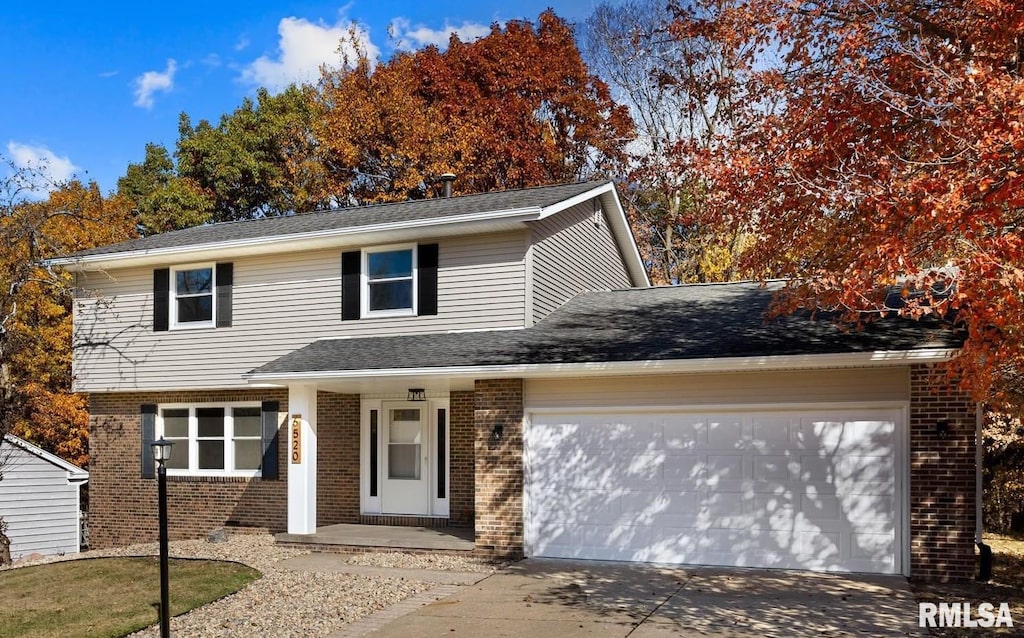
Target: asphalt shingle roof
point(425, 209)
point(643, 324)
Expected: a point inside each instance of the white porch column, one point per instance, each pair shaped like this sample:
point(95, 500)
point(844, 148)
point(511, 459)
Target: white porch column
point(302, 459)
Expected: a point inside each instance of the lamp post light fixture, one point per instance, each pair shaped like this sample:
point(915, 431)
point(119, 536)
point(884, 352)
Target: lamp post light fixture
point(161, 453)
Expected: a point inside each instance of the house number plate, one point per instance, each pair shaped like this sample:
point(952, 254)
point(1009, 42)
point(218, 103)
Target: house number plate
point(296, 438)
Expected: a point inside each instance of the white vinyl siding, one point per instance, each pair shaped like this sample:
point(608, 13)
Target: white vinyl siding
point(39, 504)
point(280, 303)
point(741, 388)
point(570, 254)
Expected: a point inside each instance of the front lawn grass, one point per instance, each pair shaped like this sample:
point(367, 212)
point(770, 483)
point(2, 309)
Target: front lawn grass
point(107, 597)
point(1006, 586)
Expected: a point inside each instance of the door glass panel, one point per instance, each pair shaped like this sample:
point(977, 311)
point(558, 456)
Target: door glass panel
point(406, 414)
point(404, 443)
point(404, 461)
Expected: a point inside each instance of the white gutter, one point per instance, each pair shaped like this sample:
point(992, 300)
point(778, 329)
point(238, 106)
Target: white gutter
point(622, 368)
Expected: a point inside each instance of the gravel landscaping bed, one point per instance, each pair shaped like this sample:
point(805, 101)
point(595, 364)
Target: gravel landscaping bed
point(286, 603)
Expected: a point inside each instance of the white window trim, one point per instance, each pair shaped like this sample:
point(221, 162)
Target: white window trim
point(173, 298)
point(193, 438)
point(364, 283)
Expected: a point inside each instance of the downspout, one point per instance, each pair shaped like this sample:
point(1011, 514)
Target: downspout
point(985, 552)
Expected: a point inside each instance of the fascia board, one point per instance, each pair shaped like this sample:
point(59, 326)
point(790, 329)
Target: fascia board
point(619, 368)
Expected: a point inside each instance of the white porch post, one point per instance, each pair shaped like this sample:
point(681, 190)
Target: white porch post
point(302, 459)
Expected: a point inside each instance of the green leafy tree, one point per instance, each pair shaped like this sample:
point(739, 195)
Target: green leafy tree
point(259, 160)
point(163, 200)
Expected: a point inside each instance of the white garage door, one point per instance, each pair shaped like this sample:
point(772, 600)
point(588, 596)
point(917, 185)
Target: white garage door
point(813, 490)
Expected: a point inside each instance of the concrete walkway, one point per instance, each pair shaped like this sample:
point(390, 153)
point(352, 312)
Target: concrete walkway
point(539, 597)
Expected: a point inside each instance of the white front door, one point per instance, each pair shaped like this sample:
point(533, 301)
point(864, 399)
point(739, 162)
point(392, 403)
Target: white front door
point(406, 459)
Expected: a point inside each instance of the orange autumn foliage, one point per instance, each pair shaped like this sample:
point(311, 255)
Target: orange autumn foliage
point(37, 338)
point(513, 109)
point(879, 150)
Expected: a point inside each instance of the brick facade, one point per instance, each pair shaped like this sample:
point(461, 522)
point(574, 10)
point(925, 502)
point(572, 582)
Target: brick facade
point(486, 472)
point(123, 505)
point(942, 477)
point(462, 470)
point(337, 458)
point(498, 417)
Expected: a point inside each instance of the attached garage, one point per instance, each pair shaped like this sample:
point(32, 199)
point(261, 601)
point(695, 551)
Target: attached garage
point(809, 488)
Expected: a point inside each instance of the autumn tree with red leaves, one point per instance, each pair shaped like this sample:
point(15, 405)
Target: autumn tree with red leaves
point(880, 148)
point(513, 109)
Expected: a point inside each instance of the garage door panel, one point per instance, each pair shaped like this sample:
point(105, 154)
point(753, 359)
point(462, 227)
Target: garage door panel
point(803, 489)
point(726, 472)
point(724, 433)
point(847, 437)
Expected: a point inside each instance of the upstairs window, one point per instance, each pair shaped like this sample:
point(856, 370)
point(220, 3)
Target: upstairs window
point(193, 297)
point(389, 281)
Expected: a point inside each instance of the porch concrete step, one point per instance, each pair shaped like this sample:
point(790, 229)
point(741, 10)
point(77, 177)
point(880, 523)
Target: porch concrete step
point(384, 537)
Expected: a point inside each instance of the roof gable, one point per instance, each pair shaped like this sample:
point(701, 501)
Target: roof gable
point(74, 471)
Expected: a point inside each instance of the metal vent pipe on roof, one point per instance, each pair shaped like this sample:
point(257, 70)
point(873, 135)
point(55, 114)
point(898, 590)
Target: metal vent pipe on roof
point(449, 180)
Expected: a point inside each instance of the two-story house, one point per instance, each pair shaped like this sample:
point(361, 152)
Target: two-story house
point(500, 362)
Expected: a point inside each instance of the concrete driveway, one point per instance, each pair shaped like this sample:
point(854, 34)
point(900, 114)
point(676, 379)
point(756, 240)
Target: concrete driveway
point(561, 599)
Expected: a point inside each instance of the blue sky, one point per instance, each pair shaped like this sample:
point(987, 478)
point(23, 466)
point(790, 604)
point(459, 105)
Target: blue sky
point(85, 85)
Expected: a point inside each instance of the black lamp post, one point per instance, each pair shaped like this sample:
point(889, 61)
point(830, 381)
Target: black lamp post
point(162, 452)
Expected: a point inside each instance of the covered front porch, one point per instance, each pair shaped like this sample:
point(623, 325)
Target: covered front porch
point(432, 466)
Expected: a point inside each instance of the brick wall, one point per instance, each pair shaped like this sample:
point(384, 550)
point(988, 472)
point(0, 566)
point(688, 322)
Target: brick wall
point(337, 465)
point(499, 466)
point(942, 477)
point(462, 468)
point(123, 506)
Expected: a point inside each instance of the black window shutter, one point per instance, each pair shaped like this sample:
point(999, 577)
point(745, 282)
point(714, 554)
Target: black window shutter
point(427, 279)
point(224, 280)
point(161, 303)
point(148, 436)
point(350, 267)
point(269, 411)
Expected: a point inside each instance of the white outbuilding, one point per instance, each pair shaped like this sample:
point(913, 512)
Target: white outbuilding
point(40, 499)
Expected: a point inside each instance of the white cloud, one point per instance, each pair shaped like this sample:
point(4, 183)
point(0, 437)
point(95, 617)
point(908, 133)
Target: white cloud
point(407, 36)
point(51, 169)
point(242, 44)
point(152, 81)
point(303, 47)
